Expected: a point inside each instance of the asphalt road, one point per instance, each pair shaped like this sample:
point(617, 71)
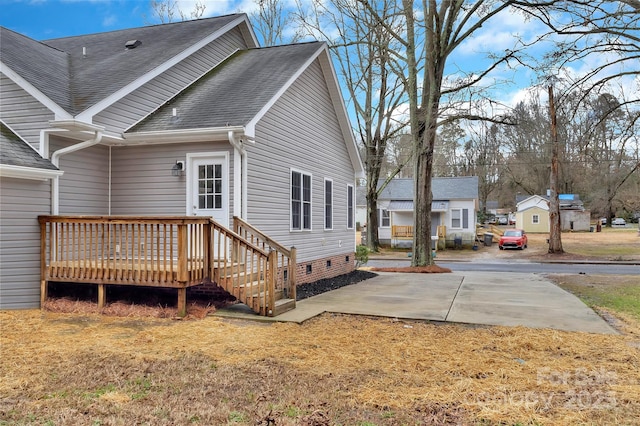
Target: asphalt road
point(525, 267)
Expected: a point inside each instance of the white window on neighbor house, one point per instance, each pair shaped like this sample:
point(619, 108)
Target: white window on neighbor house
point(385, 219)
point(300, 201)
point(350, 209)
point(328, 204)
point(535, 219)
point(459, 218)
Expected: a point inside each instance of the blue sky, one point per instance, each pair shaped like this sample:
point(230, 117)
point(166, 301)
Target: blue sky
point(46, 19)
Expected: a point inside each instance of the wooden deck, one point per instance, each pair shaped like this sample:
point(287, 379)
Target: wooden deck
point(169, 252)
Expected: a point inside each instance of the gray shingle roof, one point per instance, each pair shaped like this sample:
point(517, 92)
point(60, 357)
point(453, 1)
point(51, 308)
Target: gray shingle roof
point(443, 188)
point(234, 92)
point(58, 68)
point(16, 152)
point(45, 68)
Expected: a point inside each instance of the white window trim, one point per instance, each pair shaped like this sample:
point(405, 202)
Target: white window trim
point(533, 221)
point(302, 174)
point(460, 219)
point(351, 217)
point(380, 218)
point(324, 211)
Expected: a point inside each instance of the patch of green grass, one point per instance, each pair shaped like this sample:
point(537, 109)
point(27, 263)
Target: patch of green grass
point(98, 392)
point(618, 293)
point(141, 386)
point(237, 417)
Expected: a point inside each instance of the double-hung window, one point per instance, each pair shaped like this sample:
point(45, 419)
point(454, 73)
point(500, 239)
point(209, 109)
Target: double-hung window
point(385, 219)
point(328, 204)
point(300, 201)
point(535, 219)
point(459, 218)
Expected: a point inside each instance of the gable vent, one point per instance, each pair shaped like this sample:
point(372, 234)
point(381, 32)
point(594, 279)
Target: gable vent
point(132, 44)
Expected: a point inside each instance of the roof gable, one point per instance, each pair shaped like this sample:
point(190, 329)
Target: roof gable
point(233, 93)
point(78, 72)
point(45, 69)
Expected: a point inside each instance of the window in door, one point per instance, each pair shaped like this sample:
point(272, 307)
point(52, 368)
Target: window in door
point(210, 186)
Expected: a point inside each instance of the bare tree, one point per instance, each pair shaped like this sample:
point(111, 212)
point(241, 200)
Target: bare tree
point(274, 24)
point(432, 32)
point(555, 228)
point(166, 11)
point(365, 64)
point(483, 158)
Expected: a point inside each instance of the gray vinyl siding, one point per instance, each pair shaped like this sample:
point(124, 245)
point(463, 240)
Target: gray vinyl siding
point(136, 105)
point(21, 201)
point(142, 183)
point(84, 187)
point(301, 132)
point(22, 112)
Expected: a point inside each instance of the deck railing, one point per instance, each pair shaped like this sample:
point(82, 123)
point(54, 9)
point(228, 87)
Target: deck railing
point(402, 231)
point(174, 252)
point(283, 259)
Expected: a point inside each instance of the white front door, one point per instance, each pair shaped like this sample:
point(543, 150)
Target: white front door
point(209, 187)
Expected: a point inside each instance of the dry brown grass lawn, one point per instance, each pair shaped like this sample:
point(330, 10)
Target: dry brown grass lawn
point(70, 369)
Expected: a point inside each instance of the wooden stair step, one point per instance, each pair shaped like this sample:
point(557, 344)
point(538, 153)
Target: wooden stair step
point(282, 306)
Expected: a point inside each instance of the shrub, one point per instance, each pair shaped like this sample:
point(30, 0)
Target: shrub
point(362, 255)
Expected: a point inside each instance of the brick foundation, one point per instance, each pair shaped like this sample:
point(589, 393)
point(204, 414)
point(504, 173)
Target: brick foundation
point(319, 269)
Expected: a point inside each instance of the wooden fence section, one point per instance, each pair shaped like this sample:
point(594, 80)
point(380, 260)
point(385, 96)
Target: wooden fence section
point(170, 252)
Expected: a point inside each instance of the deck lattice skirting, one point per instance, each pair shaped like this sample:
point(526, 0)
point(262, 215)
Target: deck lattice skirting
point(171, 252)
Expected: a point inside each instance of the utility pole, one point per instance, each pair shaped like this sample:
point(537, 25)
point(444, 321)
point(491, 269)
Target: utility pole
point(555, 230)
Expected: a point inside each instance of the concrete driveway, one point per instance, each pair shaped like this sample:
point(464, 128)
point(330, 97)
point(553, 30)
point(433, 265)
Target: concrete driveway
point(487, 298)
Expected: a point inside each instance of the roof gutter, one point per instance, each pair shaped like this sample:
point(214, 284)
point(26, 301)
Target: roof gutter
point(239, 173)
point(55, 157)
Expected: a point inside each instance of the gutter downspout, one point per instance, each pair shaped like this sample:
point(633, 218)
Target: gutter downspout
point(55, 159)
point(240, 174)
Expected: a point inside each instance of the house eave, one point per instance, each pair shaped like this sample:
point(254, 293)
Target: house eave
point(174, 136)
point(21, 172)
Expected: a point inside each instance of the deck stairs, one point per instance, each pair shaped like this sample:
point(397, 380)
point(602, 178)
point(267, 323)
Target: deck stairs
point(251, 289)
point(257, 271)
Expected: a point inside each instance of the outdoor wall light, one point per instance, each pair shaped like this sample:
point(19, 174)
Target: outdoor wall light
point(177, 169)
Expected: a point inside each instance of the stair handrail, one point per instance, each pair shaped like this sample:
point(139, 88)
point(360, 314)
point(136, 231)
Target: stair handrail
point(238, 222)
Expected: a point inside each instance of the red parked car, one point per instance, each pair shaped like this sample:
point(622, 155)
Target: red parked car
point(513, 238)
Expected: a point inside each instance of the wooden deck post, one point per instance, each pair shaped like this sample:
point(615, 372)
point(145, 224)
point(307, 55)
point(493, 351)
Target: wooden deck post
point(293, 268)
point(182, 302)
point(102, 296)
point(43, 263)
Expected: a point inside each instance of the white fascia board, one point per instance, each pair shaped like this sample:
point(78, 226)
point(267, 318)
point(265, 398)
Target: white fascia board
point(341, 112)
point(33, 173)
point(338, 103)
point(173, 136)
point(59, 112)
point(87, 115)
point(283, 89)
point(248, 33)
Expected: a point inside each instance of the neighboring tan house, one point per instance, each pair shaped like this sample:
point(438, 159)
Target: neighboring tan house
point(183, 120)
point(532, 214)
point(454, 209)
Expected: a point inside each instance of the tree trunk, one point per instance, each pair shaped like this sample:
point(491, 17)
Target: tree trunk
point(555, 234)
point(423, 194)
point(373, 242)
point(422, 210)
